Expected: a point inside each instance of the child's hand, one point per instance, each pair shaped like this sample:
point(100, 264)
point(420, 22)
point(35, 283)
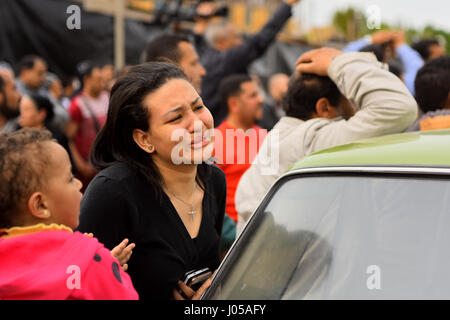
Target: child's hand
point(90, 235)
point(122, 253)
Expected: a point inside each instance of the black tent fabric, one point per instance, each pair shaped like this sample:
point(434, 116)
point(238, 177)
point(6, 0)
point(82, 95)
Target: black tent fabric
point(39, 27)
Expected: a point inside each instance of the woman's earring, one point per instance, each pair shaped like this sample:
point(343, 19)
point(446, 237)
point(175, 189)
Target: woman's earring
point(47, 214)
point(150, 148)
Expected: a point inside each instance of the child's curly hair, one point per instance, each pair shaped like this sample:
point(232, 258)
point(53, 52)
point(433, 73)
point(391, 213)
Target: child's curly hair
point(23, 164)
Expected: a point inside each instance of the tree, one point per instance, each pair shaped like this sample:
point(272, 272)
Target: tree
point(351, 23)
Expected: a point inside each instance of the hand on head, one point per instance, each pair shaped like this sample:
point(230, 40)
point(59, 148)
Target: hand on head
point(316, 61)
point(384, 36)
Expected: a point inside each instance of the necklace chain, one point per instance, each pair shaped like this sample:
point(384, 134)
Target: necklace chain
point(191, 205)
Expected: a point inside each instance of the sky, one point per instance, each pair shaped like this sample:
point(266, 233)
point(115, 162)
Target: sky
point(410, 13)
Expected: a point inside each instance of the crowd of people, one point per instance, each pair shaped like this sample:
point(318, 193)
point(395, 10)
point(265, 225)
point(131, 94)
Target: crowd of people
point(139, 176)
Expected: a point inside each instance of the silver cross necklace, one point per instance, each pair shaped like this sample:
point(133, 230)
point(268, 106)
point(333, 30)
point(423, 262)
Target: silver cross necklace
point(192, 212)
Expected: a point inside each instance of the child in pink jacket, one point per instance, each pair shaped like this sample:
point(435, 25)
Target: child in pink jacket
point(40, 256)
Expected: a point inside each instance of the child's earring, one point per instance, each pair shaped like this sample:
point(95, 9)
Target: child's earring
point(150, 148)
point(47, 214)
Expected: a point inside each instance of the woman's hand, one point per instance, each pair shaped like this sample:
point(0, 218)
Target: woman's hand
point(188, 292)
point(122, 253)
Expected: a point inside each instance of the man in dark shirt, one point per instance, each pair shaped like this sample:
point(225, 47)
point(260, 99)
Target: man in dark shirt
point(228, 54)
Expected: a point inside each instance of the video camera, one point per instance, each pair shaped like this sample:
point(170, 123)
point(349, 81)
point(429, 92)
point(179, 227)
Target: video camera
point(175, 10)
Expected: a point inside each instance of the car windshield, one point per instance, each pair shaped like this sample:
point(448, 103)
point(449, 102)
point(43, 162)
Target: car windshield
point(344, 237)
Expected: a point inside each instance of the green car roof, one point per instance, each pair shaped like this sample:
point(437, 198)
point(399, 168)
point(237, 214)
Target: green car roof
point(426, 148)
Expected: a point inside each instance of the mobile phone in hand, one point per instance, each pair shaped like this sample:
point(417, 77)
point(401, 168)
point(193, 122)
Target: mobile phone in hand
point(195, 278)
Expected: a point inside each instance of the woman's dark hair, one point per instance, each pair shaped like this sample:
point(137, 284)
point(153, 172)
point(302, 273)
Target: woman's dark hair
point(303, 92)
point(126, 113)
point(43, 103)
point(23, 160)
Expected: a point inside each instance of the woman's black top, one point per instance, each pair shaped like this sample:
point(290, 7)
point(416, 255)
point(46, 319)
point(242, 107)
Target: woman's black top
point(119, 203)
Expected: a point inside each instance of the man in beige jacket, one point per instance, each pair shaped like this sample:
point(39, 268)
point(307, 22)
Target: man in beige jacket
point(319, 115)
